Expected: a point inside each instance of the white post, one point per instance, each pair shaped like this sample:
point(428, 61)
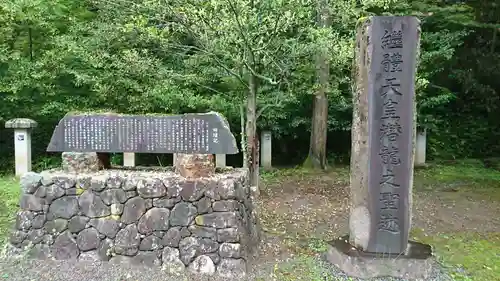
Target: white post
point(265, 150)
point(420, 149)
point(22, 143)
point(220, 160)
point(129, 159)
point(174, 157)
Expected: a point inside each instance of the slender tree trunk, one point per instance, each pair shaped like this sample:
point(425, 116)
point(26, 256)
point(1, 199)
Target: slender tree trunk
point(30, 35)
point(244, 142)
point(494, 40)
point(251, 132)
point(319, 127)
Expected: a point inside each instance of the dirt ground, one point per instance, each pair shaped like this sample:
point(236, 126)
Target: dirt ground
point(301, 208)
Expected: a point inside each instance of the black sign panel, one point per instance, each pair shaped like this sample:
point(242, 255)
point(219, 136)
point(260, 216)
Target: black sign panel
point(394, 43)
point(207, 133)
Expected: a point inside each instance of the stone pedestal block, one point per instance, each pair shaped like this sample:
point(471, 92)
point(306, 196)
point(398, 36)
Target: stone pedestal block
point(220, 160)
point(22, 143)
point(80, 162)
point(420, 149)
point(194, 165)
point(266, 150)
point(129, 159)
point(415, 263)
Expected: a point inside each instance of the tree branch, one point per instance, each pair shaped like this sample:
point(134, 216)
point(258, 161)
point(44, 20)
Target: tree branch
point(278, 102)
point(261, 110)
point(266, 106)
point(254, 73)
point(240, 29)
point(181, 22)
point(208, 88)
point(215, 58)
point(271, 35)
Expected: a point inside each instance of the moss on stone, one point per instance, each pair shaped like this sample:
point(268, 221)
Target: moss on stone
point(79, 191)
point(362, 19)
point(115, 217)
point(112, 217)
point(199, 220)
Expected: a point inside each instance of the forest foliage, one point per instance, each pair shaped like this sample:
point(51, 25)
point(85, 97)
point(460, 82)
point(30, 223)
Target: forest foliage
point(142, 56)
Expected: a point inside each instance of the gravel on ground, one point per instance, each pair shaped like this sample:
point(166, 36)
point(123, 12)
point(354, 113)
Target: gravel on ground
point(23, 269)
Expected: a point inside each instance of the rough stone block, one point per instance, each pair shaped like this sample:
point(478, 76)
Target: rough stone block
point(80, 162)
point(30, 182)
point(195, 165)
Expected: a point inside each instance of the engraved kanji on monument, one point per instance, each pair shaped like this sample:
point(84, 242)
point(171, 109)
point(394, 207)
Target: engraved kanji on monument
point(391, 121)
point(205, 133)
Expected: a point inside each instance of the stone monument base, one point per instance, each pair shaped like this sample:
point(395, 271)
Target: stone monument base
point(415, 263)
point(136, 216)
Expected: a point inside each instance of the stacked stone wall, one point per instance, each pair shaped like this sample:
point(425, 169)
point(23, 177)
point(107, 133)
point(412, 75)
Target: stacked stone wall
point(155, 218)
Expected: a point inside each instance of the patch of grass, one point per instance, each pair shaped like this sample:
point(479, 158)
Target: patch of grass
point(303, 268)
point(46, 163)
point(469, 256)
point(461, 174)
point(339, 173)
point(9, 199)
point(317, 245)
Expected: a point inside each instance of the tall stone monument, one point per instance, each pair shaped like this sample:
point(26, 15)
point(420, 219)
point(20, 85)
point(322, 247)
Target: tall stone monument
point(383, 144)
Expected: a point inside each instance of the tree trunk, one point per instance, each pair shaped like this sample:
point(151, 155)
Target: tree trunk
point(251, 132)
point(243, 136)
point(30, 35)
point(493, 40)
point(319, 127)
